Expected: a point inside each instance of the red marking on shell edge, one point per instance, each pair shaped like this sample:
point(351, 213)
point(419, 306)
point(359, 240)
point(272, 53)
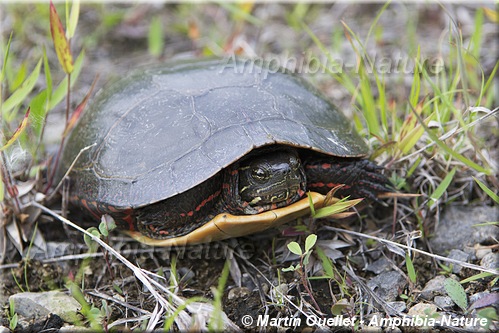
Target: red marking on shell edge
point(156, 231)
point(205, 201)
point(329, 185)
point(326, 165)
point(130, 221)
point(92, 208)
point(202, 204)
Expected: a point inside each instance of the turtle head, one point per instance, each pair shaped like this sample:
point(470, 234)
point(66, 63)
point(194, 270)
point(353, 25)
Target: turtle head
point(269, 179)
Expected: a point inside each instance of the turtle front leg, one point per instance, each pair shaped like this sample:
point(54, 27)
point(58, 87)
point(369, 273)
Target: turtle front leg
point(362, 178)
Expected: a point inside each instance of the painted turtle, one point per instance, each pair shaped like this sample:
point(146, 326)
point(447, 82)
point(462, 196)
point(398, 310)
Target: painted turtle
point(207, 150)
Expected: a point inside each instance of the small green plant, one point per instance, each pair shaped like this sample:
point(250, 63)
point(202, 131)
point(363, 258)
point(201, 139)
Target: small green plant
point(106, 225)
point(456, 292)
point(12, 315)
point(410, 268)
point(341, 307)
point(446, 269)
point(94, 316)
point(490, 314)
point(295, 248)
point(216, 320)
point(331, 272)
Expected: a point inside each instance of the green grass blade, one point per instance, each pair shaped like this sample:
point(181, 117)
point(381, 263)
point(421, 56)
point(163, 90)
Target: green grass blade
point(5, 57)
point(22, 92)
point(451, 152)
point(327, 265)
point(375, 21)
point(61, 90)
point(48, 74)
point(367, 102)
point(342, 78)
point(155, 38)
point(311, 204)
point(489, 192)
point(338, 207)
point(486, 87)
point(476, 277)
point(239, 12)
point(72, 21)
point(442, 187)
point(416, 82)
point(216, 320)
point(411, 272)
point(170, 320)
point(38, 111)
point(476, 37)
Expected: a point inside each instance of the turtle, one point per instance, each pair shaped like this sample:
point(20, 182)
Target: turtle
point(196, 151)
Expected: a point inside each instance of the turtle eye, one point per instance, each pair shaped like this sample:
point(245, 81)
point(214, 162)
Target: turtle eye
point(259, 174)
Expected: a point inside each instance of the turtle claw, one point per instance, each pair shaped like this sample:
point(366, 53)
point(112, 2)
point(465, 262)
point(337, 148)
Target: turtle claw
point(362, 178)
point(370, 182)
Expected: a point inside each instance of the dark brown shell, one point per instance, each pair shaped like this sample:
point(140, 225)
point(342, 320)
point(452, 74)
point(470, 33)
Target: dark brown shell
point(165, 130)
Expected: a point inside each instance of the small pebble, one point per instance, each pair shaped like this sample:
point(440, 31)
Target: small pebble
point(248, 281)
point(481, 251)
point(443, 302)
point(279, 291)
point(457, 230)
point(379, 266)
point(387, 285)
point(238, 292)
point(458, 255)
point(475, 297)
point(375, 317)
point(39, 305)
point(490, 260)
point(186, 273)
point(433, 287)
point(397, 306)
point(422, 310)
point(484, 299)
